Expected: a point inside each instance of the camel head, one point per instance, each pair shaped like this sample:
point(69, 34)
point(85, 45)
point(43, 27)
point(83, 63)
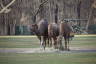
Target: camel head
point(34, 28)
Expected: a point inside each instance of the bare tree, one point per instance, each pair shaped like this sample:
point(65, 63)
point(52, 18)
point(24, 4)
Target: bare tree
point(38, 10)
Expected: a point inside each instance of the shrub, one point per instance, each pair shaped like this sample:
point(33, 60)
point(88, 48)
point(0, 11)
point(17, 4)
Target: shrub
point(92, 29)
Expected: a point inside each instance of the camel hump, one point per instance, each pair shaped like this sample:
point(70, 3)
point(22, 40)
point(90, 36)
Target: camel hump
point(43, 26)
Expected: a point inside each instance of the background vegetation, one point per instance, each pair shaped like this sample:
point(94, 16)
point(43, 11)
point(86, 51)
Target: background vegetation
point(25, 12)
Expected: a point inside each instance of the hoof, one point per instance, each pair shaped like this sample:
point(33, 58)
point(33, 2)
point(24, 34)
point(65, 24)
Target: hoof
point(68, 49)
point(44, 47)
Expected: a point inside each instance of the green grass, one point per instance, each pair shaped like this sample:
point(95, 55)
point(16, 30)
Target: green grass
point(19, 42)
point(48, 58)
point(88, 41)
point(32, 42)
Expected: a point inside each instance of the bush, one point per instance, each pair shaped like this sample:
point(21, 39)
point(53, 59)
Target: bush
point(92, 29)
point(22, 30)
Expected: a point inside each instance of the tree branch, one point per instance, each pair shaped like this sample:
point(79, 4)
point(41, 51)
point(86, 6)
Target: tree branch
point(7, 10)
point(6, 7)
point(40, 7)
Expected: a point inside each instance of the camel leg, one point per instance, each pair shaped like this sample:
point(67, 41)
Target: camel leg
point(68, 39)
point(55, 42)
point(68, 45)
point(59, 41)
point(61, 46)
point(65, 43)
point(50, 42)
point(39, 37)
point(42, 42)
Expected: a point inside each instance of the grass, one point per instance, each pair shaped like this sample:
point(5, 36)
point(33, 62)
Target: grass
point(47, 58)
point(18, 42)
point(32, 41)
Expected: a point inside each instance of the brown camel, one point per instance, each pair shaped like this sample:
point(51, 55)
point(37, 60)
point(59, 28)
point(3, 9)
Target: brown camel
point(41, 31)
point(65, 31)
point(53, 32)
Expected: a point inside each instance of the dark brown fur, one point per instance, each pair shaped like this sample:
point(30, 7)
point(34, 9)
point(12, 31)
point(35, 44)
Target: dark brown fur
point(53, 32)
point(41, 31)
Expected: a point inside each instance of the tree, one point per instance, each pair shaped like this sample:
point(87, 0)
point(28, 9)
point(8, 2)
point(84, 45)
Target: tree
point(78, 10)
point(91, 13)
point(5, 16)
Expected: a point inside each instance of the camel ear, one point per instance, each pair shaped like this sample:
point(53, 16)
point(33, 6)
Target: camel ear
point(34, 25)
